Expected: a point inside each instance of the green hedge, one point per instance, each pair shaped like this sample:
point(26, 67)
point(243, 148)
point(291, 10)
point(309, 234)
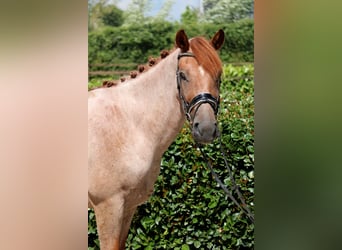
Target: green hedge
point(188, 210)
point(120, 45)
point(128, 44)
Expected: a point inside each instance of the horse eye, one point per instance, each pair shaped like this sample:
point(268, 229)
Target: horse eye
point(183, 76)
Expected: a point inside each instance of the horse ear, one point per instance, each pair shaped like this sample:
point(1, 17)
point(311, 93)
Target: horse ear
point(218, 39)
point(182, 41)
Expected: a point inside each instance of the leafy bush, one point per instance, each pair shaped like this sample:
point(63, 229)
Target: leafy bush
point(188, 210)
point(129, 44)
point(125, 44)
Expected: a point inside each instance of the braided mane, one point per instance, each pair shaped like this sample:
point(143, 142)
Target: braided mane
point(141, 69)
point(204, 52)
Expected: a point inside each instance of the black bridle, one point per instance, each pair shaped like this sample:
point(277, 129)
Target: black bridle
point(199, 99)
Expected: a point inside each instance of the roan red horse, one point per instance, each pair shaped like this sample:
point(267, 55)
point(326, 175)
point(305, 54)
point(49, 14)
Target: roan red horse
point(131, 125)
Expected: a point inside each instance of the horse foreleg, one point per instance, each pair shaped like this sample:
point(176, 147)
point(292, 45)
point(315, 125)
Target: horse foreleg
point(127, 219)
point(109, 218)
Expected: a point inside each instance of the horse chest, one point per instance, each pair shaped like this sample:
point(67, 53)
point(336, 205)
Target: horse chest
point(143, 185)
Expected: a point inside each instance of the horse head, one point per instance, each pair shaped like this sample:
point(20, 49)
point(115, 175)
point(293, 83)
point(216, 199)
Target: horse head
point(198, 79)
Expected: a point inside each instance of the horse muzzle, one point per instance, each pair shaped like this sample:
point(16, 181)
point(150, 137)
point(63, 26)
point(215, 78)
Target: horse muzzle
point(204, 126)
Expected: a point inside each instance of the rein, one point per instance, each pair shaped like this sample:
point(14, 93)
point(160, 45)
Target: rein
point(244, 208)
point(198, 100)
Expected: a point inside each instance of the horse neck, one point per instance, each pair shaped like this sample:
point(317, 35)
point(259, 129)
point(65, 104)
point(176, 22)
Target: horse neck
point(157, 107)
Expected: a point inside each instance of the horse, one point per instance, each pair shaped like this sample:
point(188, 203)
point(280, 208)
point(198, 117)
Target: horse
point(131, 125)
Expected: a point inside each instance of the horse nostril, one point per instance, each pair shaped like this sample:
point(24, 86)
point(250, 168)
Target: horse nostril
point(197, 128)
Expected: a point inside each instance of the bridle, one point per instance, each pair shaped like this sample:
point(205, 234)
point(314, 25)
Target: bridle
point(199, 99)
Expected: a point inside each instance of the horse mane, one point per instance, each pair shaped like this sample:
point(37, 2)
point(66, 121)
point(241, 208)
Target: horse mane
point(204, 52)
point(206, 56)
point(142, 68)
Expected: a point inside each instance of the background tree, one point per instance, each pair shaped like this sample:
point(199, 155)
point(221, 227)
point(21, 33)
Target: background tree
point(190, 15)
point(136, 12)
point(164, 12)
point(209, 4)
point(101, 12)
point(223, 11)
point(95, 9)
point(112, 16)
